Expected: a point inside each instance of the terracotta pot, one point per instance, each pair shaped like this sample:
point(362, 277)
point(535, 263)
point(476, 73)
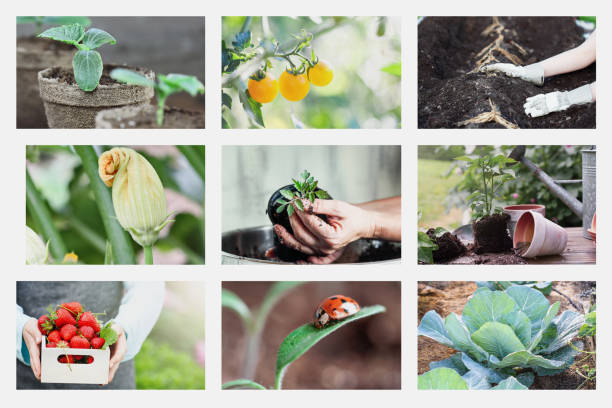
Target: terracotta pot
point(593, 230)
point(68, 107)
point(537, 236)
point(145, 117)
point(515, 212)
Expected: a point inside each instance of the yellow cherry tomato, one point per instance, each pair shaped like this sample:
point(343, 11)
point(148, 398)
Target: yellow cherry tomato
point(293, 87)
point(263, 90)
point(321, 74)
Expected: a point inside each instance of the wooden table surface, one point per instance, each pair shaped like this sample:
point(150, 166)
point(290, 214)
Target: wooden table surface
point(579, 250)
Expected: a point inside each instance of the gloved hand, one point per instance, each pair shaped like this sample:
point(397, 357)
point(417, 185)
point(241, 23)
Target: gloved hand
point(533, 73)
point(543, 104)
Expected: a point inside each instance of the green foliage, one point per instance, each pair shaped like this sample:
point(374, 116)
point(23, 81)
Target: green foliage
point(589, 19)
point(242, 385)
point(426, 247)
point(393, 69)
point(543, 286)
point(165, 86)
point(109, 335)
point(87, 63)
point(589, 328)
point(306, 190)
point(159, 367)
point(492, 172)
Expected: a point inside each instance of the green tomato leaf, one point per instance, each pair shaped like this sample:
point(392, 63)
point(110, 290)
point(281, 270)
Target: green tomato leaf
point(305, 337)
point(281, 208)
point(232, 301)
point(94, 38)
point(299, 204)
point(288, 194)
point(87, 67)
point(69, 34)
point(226, 100)
point(252, 108)
point(322, 194)
point(131, 78)
point(109, 335)
point(242, 384)
point(442, 378)
point(290, 210)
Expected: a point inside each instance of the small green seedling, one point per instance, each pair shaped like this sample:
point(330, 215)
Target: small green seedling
point(40, 21)
point(166, 85)
point(306, 189)
point(87, 63)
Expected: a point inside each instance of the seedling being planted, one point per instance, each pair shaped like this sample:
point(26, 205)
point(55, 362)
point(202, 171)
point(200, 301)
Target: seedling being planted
point(305, 189)
point(87, 63)
point(165, 86)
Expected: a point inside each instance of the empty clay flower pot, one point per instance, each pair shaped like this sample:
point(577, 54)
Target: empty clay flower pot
point(68, 107)
point(515, 212)
point(535, 235)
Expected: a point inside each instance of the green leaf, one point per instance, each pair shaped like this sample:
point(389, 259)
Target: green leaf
point(232, 301)
point(497, 339)
point(432, 326)
point(290, 210)
point(242, 40)
point(460, 337)
point(109, 335)
point(251, 107)
point(322, 194)
point(394, 68)
point(288, 194)
point(509, 383)
point(442, 378)
point(568, 325)
point(180, 82)
point(302, 339)
point(486, 306)
point(69, 34)
point(550, 315)
point(299, 204)
point(532, 302)
point(130, 77)
point(520, 324)
point(524, 358)
point(281, 208)
point(226, 100)
point(94, 38)
point(242, 384)
point(108, 254)
point(465, 158)
point(87, 67)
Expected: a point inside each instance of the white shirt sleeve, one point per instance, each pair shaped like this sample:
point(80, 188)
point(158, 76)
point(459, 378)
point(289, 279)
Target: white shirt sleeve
point(22, 319)
point(140, 308)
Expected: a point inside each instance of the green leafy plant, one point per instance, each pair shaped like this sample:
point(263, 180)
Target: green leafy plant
point(40, 21)
point(426, 247)
point(543, 286)
point(502, 334)
point(165, 86)
point(87, 63)
point(492, 172)
point(306, 189)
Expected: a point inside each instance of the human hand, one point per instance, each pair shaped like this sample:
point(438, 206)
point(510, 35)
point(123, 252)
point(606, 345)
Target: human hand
point(33, 338)
point(531, 73)
point(543, 104)
point(117, 350)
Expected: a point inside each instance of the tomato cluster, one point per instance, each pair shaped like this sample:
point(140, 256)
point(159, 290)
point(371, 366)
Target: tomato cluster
point(294, 86)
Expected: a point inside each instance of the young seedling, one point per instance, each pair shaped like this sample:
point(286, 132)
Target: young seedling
point(52, 20)
point(165, 86)
point(87, 63)
point(306, 190)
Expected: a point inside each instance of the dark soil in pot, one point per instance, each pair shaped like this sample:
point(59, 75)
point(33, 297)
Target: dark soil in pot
point(33, 55)
point(281, 251)
point(448, 93)
point(449, 246)
point(67, 106)
point(491, 234)
point(145, 117)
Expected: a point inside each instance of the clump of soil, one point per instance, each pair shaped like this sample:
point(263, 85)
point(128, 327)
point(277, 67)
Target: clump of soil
point(491, 234)
point(451, 91)
point(449, 246)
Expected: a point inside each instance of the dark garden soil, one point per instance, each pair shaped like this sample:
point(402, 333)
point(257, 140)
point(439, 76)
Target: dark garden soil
point(447, 297)
point(449, 246)
point(491, 234)
point(66, 76)
point(174, 118)
point(449, 93)
point(361, 355)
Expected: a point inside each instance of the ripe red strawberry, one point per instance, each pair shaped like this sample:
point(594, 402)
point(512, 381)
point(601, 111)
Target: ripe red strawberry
point(65, 360)
point(87, 332)
point(68, 331)
point(89, 319)
point(54, 336)
point(64, 317)
point(45, 325)
point(89, 360)
point(97, 342)
point(74, 307)
point(79, 342)
point(51, 345)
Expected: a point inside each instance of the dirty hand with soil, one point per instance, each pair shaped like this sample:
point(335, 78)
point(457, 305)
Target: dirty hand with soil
point(324, 242)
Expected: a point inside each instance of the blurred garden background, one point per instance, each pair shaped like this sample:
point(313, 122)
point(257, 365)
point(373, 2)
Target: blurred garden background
point(62, 206)
point(365, 53)
point(172, 357)
point(443, 188)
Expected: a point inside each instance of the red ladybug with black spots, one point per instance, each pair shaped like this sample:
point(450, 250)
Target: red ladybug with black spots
point(334, 308)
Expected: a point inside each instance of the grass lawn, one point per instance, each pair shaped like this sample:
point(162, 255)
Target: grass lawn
point(433, 189)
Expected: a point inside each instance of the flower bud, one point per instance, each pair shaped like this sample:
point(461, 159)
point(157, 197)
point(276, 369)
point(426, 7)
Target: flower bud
point(138, 194)
point(37, 252)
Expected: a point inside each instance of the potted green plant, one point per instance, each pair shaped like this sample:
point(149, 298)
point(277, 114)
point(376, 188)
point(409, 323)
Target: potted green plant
point(73, 97)
point(148, 116)
point(35, 54)
point(489, 223)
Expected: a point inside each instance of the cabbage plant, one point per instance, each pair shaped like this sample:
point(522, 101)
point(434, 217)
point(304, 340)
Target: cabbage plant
point(502, 336)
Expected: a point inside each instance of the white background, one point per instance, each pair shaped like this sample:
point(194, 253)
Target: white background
point(13, 204)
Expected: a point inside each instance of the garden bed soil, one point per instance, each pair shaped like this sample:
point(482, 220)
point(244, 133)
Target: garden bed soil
point(449, 246)
point(449, 93)
point(67, 106)
point(145, 117)
point(491, 234)
point(451, 297)
point(33, 55)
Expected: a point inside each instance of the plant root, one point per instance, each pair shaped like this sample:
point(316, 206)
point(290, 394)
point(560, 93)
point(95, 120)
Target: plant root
point(492, 116)
point(488, 54)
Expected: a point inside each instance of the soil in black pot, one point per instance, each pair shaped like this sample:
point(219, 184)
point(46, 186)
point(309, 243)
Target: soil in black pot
point(450, 91)
point(449, 246)
point(491, 234)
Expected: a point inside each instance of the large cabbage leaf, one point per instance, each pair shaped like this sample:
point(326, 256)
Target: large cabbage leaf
point(460, 336)
point(441, 379)
point(498, 339)
point(531, 302)
point(432, 326)
point(486, 306)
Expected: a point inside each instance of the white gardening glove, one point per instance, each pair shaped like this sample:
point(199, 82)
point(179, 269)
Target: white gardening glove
point(533, 73)
point(543, 104)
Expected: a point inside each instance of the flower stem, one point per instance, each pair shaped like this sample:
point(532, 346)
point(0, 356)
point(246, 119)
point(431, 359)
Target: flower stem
point(148, 253)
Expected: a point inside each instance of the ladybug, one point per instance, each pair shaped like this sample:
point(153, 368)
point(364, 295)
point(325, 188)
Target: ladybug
point(335, 307)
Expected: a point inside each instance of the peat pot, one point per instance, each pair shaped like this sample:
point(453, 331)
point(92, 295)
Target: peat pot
point(515, 212)
point(248, 247)
point(33, 55)
point(145, 117)
point(68, 107)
